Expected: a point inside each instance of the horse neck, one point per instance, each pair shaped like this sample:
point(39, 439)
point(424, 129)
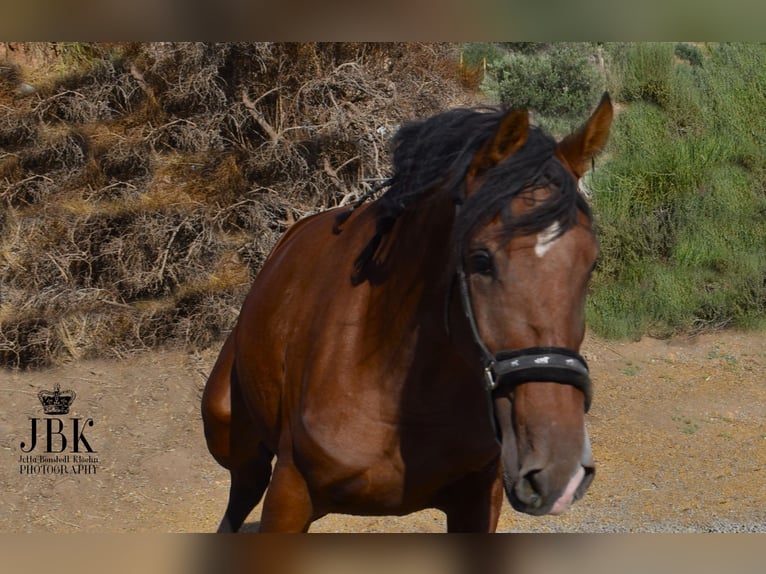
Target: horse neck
point(409, 288)
point(429, 335)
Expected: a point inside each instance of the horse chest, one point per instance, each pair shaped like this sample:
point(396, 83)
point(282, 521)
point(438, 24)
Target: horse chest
point(385, 467)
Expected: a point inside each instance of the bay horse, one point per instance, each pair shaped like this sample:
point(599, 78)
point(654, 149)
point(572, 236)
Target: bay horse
point(421, 350)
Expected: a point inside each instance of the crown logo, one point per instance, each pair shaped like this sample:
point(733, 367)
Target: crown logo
point(56, 402)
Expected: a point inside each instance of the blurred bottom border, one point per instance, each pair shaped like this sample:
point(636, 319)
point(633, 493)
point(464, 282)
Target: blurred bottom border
point(383, 553)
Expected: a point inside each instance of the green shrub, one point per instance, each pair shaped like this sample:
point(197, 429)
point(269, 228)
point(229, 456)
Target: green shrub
point(476, 53)
point(645, 71)
point(527, 48)
point(561, 81)
point(689, 52)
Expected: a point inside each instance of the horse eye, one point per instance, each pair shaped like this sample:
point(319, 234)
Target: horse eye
point(481, 263)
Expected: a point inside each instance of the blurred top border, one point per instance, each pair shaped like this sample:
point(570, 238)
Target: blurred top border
point(391, 20)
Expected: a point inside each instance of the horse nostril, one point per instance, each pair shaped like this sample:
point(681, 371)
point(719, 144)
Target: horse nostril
point(525, 491)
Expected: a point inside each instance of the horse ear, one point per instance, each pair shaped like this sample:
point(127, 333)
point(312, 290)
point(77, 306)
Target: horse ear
point(509, 136)
point(578, 148)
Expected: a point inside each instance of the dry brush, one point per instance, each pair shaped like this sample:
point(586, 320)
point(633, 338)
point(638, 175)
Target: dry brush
point(142, 185)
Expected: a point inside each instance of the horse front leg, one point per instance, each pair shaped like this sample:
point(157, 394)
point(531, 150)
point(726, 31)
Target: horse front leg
point(473, 503)
point(287, 506)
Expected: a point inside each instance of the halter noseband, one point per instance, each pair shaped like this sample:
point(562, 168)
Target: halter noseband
point(511, 368)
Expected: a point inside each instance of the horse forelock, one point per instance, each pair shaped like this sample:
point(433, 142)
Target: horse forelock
point(433, 155)
point(533, 166)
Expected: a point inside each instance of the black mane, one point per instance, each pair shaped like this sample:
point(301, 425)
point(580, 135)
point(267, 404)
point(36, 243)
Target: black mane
point(434, 155)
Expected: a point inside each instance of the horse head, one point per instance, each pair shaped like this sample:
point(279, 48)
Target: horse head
point(526, 250)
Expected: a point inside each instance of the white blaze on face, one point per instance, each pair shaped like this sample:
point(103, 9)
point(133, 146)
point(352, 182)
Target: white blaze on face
point(546, 239)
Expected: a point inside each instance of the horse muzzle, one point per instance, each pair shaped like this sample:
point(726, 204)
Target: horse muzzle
point(545, 488)
point(543, 479)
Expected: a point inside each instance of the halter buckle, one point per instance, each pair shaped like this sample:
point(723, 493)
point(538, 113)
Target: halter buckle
point(489, 378)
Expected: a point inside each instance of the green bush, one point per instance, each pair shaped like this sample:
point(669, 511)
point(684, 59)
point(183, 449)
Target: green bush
point(689, 52)
point(644, 71)
point(527, 48)
point(476, 53)
point(561, 81)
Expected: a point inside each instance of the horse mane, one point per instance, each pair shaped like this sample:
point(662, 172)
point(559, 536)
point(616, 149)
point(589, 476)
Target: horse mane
point(433, 156)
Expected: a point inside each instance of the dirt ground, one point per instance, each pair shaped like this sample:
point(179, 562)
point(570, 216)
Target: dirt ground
point(678, 430)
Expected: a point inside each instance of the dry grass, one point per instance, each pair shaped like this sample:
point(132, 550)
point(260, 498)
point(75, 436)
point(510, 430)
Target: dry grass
point(143, 185)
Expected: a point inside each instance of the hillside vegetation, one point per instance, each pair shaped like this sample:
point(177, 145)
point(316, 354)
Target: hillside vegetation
point(681, 202)
point(142, 185)
point(680, 194)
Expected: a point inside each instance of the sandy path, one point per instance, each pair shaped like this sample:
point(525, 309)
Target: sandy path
point(678, 430)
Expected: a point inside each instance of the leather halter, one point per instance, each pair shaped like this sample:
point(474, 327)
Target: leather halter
point(510, 368)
